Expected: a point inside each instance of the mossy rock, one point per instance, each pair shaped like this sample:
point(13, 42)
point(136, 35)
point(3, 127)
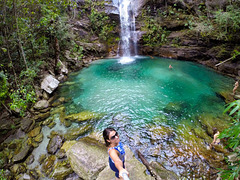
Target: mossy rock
point(161, 133)
point(61, 170)
point(74, 133)
point(48, 164)
point(209, 121)
point(83, 116)
point(162, 172)
point(35, 132)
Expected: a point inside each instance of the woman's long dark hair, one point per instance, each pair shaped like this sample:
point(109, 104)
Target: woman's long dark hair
point(106, 133)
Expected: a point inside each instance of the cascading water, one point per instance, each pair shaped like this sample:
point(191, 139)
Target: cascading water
point(128, 44)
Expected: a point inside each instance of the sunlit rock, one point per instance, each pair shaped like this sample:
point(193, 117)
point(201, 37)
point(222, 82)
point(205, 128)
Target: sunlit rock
point(88, 158)
point(38, 138)
point(49, 84)
point(18, 169)
point(83, 116)
point(67, 145)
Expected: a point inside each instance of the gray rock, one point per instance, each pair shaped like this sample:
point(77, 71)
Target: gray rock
point(61, 170)
point(49, 84)
point(42, 104)
point(24, 151)
point(54, 144)
point(87, 158)
point(26, 124)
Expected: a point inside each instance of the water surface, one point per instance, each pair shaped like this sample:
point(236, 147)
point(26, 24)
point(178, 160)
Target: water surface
point(165, 113)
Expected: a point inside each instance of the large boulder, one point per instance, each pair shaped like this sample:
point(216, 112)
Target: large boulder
point(87, 158)
point(49, 84)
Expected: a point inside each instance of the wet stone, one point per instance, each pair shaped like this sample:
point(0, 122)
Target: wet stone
point(35, 131)
point(54, 144)
point(52, 124)
point(42, 116)
point(26, 124)
point(30, 159)
point(48, 121)
point(42, 158)
point(39, 138)
point(61, 154)
point(48, 164)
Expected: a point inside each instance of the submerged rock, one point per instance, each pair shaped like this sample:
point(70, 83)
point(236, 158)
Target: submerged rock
point(83, 116)
point(161, 134)
point(163, 172)
point(74, 133)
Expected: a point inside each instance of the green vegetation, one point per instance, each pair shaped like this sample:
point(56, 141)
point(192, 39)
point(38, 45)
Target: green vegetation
point(2, 175)
point(29, 30)
point(232, 134)
point(156, 35)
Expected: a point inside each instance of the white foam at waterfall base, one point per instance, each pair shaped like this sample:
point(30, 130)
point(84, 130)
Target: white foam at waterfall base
point(126, 60)
point(42, 148)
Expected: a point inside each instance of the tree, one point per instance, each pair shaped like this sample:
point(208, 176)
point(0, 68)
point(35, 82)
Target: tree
point(233, 135)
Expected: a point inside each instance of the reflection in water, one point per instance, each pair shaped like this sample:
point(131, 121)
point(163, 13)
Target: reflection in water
point(166, 114)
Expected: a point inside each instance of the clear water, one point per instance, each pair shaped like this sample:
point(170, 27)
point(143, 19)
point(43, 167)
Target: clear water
point(143, 97)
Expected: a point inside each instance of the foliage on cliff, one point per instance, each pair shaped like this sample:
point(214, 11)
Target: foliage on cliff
point(208, 23)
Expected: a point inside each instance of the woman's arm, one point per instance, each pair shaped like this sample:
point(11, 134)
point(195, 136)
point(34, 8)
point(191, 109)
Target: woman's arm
point(117, 161)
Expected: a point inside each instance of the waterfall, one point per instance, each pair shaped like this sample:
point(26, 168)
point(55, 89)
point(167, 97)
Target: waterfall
point(128, 43)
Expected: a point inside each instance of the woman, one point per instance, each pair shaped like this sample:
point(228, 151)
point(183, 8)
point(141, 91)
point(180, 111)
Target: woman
point(235, 87)
point(216, 140)
point(115, 151)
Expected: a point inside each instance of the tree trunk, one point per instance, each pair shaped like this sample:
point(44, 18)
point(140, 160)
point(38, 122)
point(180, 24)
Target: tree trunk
point(57, 52)
point(148, 166)
point(6, 43)
point(18, 38)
